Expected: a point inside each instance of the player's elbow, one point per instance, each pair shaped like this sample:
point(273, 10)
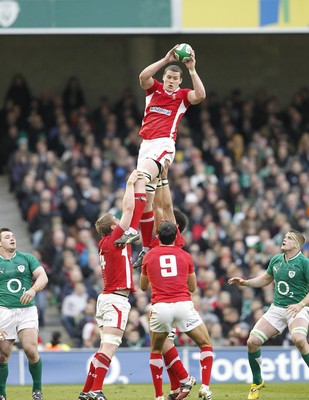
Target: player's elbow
point(143, 79)
point(143, 285)
point(201, 95)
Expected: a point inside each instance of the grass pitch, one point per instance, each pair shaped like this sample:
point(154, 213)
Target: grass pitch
point(237, 391)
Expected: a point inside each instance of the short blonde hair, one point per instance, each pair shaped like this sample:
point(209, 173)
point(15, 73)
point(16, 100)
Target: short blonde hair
point(298, 237)
point(104, 225)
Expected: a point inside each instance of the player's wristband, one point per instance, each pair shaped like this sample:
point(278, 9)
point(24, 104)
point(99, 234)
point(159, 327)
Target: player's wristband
point(245, 283)
point(130, 183)
point(35, 288)
point(164, 182)
point(192, 71)
point(302, 303)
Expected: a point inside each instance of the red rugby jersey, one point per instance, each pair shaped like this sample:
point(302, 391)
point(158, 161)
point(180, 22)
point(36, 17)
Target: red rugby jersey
point(116, 263)
point(163, 111)
point(167, 268)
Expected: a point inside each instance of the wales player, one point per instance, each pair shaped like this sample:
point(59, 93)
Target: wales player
point(290, 273)
point(21, 277)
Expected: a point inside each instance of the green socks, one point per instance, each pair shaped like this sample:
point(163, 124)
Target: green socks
point(306, 358)
point(4, 372)
point(255, 360)
point(36, 373)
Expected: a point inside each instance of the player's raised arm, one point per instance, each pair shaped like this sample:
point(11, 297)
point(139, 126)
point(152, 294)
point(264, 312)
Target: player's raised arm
point(198, 94)
point(128, 200)
point(146, 76)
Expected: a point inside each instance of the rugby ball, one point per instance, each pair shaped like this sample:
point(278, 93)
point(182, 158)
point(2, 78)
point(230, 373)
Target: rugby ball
point(183, 52)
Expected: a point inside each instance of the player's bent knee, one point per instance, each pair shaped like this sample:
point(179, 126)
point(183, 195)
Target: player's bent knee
point(111, 339)
point(151, 187)
point(256, 338)
point(145, 174)
point(299, 341)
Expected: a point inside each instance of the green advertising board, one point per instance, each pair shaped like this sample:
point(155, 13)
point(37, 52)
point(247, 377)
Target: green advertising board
point(85, 14)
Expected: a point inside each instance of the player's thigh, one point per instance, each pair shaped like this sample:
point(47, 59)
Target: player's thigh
point(28, 319)
point(158, 150)
point(298, 326)
point(113, 311)
point(157, 341)
point(161, 318)
point(8, 322)
point(274, 321)
point(200, 335)
point(186, 317)
point(262, 331)
point(29, 339)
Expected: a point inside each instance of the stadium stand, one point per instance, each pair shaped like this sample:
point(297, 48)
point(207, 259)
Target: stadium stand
point(240, 175)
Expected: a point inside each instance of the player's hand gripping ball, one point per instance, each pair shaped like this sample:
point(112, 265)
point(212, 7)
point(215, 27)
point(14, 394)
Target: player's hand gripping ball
point(183, 52)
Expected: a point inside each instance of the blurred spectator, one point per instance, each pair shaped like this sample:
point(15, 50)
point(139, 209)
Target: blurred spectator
point(73, 97)
point(56, 343)
point(19, 94)
point(73, 306)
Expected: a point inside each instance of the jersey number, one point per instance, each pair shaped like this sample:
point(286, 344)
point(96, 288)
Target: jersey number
point(168, 265)
point(124, 254)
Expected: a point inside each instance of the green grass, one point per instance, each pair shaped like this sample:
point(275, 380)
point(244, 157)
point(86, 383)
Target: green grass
point(237, 391)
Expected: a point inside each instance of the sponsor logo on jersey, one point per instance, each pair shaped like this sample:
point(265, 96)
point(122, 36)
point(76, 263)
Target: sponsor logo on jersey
point(160, 110)
point(21, 268)
point(2, 271)
point(277, 266)
point(291, 274)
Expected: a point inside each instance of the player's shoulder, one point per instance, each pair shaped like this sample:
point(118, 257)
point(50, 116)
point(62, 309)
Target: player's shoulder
point(303, 259)
point(23, 254)
point(277, 257)
point(156, 86)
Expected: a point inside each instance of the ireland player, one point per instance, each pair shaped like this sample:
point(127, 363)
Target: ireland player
point(290, 273)
point(21, 277)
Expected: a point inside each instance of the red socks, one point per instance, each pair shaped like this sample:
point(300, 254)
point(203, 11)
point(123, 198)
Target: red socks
point(140, 203)
point(156, 368)
point(101, 363)
point(206, 360)
point(175, 368)
point(147, 223)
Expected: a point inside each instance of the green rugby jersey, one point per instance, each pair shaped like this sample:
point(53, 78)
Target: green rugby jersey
point(291, 279)
point(16, 278)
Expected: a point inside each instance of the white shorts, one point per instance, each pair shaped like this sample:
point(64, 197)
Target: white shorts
point(13, 320)
point(160, 149)
point(113, 310)
point(164, 316)
point(279, 318)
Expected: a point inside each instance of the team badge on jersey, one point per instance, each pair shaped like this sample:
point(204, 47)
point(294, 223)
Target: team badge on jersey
point(291, 274)
point(21, 268)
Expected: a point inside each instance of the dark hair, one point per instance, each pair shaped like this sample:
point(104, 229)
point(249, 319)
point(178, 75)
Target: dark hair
point(167, 232)
point(4, 230)
point(56, 336)
point(174, 68)
point(181, 220)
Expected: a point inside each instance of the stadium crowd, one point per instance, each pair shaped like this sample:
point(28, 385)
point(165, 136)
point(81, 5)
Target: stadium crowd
point(240, 175)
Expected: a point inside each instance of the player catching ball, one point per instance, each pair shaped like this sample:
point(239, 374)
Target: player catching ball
point(166, 103)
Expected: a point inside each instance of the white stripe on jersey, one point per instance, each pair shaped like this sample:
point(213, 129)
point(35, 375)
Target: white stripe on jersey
point(181, 110)
point(128, 267)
